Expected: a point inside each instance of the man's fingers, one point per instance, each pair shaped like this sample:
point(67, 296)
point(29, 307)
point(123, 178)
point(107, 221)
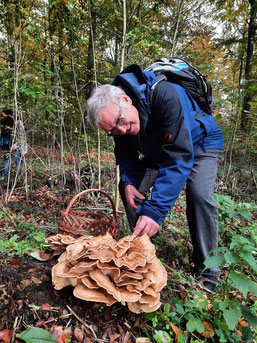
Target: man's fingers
point(139, 231)
point(140, 196)
point(145, 225)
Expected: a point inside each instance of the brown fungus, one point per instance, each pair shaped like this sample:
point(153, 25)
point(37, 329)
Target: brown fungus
point(103, 270)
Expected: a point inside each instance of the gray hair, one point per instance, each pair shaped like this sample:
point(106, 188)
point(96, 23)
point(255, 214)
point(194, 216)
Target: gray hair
point(101, 97)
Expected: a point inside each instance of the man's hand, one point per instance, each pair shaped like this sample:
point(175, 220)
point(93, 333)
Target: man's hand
point(145, 225)
point(131, 194)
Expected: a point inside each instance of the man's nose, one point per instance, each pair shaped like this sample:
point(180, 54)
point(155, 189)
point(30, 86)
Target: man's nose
point(122, 129)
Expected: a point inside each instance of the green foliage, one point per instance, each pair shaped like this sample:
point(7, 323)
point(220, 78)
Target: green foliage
point(20, 248)
point(36, 335)
point(24, 237)
point(223, 309)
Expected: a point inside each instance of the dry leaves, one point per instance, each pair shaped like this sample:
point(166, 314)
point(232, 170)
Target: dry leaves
point(208, 330)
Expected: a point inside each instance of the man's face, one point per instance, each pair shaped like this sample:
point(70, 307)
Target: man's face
point(120, 120)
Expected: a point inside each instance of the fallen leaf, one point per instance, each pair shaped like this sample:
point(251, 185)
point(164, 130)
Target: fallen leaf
point(36, 281)
point(6, 335)
point(184, 296)
point(20, 303)
point(41, 324)
point(121, 332)
point(32, 270)
point(38, 255)
point(238, 332)
point(26, 283)
point(46, 307)
point(181, 288)
point(59, 334)
point(78, 334)
point(253, 298)
point(175, 329)
point(113, 337)
point(143, 340)
point(57, 331)
point(15, 262)
point(45, 255)
point(208, 330)
point(87, 340)
point(243, 323)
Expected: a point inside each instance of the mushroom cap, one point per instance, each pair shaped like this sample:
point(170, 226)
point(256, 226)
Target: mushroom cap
point(60, 281)
point(84, 293)
point(89, 282)
point(157, 275)
point(126, 274)
point(83, 267)
point(136, 307)
point(112, 271)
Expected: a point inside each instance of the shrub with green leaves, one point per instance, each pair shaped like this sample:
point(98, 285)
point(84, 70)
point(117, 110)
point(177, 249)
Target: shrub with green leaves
point(19, 237)
point(234, 301)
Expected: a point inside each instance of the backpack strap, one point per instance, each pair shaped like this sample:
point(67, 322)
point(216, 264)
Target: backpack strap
point(159, 78)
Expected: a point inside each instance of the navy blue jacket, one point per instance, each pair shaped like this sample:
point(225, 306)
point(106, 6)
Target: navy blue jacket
point(172, 127)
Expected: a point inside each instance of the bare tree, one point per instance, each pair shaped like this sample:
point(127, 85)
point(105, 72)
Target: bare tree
point(249, 63)
point(121, 68)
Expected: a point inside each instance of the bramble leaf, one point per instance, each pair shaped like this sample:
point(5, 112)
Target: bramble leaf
point(231, 313)
point(195, 324)
point(213, 261)
point(240, 281)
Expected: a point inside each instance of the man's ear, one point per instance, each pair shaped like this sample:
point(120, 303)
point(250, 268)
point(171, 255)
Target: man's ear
point(125, 98)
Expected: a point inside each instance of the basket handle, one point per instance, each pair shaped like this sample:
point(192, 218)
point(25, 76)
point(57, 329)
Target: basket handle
point(87, 191)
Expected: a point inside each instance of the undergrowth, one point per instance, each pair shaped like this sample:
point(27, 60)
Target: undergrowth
point(187, 313)
point(229, 315)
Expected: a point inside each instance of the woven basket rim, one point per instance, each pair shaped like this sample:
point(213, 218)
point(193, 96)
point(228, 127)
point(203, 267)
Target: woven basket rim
point(69, 207)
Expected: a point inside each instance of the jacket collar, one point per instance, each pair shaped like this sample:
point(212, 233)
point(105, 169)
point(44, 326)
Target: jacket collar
point(137, 84)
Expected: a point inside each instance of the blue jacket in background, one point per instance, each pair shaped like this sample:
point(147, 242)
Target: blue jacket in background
point(172, 127)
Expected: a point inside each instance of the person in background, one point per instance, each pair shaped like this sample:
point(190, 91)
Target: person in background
point(163, 140)
point(12, 140)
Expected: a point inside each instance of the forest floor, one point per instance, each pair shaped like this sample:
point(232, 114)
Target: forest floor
point(28, 298)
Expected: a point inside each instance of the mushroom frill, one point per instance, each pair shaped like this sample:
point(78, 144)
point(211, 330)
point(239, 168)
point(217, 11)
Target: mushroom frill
point(103, 270)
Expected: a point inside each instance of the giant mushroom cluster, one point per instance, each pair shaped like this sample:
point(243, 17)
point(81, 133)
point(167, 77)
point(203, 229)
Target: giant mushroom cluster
point(102, 269)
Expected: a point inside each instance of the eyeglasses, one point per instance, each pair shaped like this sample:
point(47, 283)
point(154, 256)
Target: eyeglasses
point(119, 122)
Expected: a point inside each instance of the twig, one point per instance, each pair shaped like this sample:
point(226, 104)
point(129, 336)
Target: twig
point(82, 322)
point(67, 325)
point(127, 337)
point(254, 181)
point(51, 320)
point(15, 325)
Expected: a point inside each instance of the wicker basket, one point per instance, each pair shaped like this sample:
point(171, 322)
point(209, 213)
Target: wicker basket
point(75, 222)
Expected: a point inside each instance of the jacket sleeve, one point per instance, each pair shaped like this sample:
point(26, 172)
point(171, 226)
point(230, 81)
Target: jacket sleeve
point(176, 155)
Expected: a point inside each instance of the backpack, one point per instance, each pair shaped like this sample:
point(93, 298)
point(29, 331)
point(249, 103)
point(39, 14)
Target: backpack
point(177, 70)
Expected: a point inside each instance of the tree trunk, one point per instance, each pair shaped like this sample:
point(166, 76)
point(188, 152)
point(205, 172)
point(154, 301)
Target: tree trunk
point(174, 41)
point(248, 67)
point(90, 57)
point(121, 68)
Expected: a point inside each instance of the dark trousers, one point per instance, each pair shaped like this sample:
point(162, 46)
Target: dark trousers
point(202, 212)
